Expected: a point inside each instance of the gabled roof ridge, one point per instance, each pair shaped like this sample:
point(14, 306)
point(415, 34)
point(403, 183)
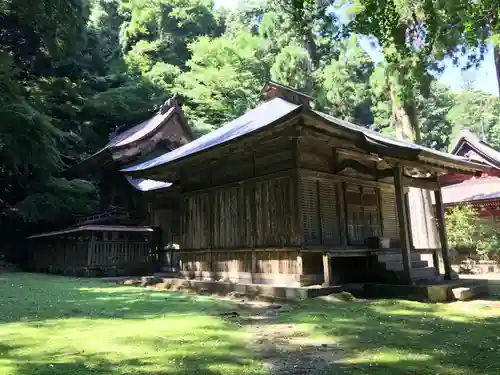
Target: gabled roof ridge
point(255, 119)
point(276, 109)
point(481, 147)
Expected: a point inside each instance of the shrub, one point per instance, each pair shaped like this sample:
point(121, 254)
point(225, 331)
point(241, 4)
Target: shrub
point(468, 232)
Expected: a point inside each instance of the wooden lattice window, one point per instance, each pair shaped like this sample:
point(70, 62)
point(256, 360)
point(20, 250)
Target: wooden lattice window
point(309, 207)
point(329, 213)
point(389, 214)
point(363, 215)
point(319, 206)
point(355, 224)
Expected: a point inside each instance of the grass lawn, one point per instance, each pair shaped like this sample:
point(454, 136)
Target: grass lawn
point(406, 338)
point(55, 325)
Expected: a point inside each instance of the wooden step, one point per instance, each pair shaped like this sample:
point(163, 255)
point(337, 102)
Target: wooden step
point(395, 257)
point(425, 273)
point(169, 269)
point(166, 275)
point(398, 265)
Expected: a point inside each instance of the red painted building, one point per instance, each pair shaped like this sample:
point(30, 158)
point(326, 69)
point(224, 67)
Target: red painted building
point(481, 191)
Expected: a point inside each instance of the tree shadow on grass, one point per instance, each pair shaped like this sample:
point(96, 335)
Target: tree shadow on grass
point(56, 325)
point(397, 337)
point(32, 297)
point(97, 365)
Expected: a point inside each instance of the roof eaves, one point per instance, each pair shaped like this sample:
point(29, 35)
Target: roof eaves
point(397, 148)
point(80, 167)
point(456, 160)
point(151, 171)
point(168, 116)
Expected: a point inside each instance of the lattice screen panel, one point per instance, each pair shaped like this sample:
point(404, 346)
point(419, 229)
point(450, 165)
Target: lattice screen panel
point(389, 214)
point(309, 206)
point(329, 213)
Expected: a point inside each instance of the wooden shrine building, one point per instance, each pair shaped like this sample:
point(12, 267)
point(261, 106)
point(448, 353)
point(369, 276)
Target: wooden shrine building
point(119, 237)
point(483, 191)
point(288, 195)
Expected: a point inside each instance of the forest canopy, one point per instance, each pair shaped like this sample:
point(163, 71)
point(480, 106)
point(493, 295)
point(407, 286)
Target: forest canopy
point(72, 71)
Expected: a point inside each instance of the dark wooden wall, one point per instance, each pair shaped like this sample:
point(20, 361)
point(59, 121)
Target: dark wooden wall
point(253, 214)
point(274, 207)
point(269, 198)
point(320, 211)
point(243, 200)
point(94, 253)
point(341, 206)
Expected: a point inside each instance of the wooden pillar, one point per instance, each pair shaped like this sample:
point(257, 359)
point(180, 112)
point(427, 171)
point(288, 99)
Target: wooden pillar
point(157, 251)
point(407, 203)
point(300, 270)
point(90, 249)
point(442, 233)
point(435, 261)
point(403, 223)
point(326, 269)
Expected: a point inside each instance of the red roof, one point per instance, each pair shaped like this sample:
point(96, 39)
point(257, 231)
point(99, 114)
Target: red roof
point(467, 189)
point(474, 189)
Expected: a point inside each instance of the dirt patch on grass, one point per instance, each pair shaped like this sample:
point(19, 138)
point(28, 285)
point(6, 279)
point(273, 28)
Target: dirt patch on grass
point(284, 348)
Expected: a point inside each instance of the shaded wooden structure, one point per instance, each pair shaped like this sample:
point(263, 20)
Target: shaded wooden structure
point(288, 195)
point(94, 250)
point(482, 192)
point(137, 217)
point(126, 200)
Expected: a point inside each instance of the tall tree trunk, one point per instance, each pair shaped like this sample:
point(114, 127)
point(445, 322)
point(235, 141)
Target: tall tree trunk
point(423, 226)
point(405, 118)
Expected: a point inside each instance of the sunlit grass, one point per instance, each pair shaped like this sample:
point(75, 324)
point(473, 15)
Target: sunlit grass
point(402, 337)
point(54, 325)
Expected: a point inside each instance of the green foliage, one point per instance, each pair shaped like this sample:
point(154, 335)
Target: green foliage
point(461, 227)
point(293, 67)
point(58, 199)
point(467, 231)
point(72, 71)
point(435, 126)
point(343, 85)
point(164, 28)
point(225, 78)
point(478, 112)
point(414, 37)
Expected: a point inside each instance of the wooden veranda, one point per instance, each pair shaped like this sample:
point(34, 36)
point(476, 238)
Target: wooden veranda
point(95, 250)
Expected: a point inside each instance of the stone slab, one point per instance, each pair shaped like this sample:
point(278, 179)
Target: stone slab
point(439, 292)
point(250, 290)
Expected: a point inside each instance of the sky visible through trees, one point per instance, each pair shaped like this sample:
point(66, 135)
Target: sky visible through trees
point(481, 78)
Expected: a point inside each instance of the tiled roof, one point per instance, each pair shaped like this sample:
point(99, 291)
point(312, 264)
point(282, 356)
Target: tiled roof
point(275, 109)
point(485, 150)
point(101, 228)
point(376, 137)
point(474, 189)
point(265, 114)
point(141, 130)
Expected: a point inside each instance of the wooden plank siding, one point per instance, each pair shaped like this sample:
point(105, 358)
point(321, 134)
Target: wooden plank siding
point(77, 254)
point(277, 206)
point(251, 214)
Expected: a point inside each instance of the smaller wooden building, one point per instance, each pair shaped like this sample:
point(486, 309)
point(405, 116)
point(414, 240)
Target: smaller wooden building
point(483, 191)
point(137, 217)
point(288, 195)
point(96, 250)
